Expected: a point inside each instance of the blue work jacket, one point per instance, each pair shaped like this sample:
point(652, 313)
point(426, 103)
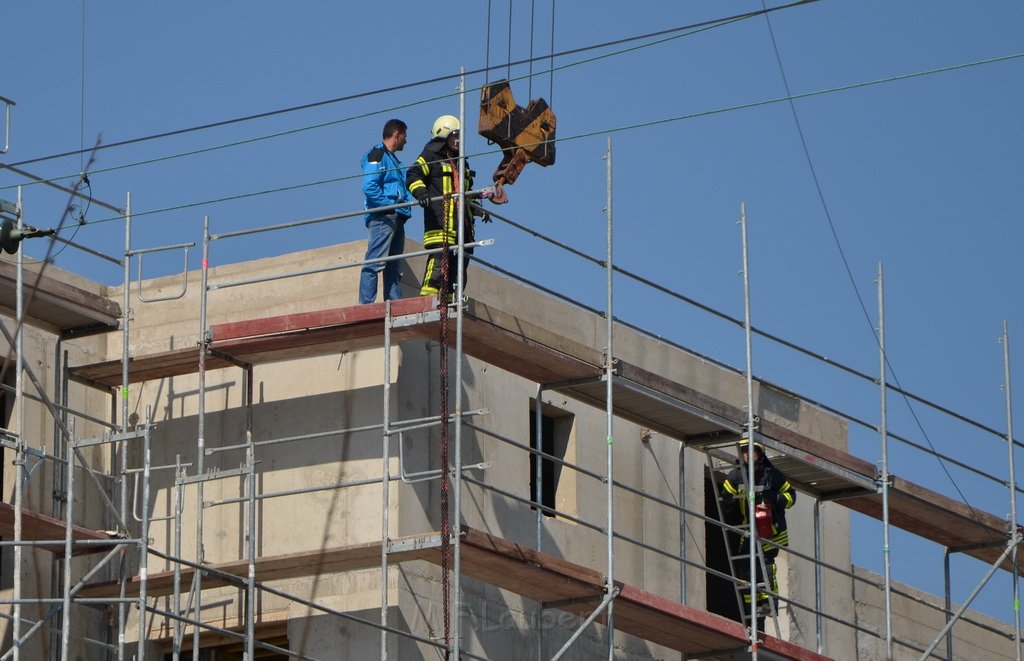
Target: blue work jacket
point(384, 181)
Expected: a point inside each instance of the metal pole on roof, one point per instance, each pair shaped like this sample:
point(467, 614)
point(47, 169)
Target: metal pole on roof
point(884, 478)
point(179, 505)
point(147, 444)
point(204, 341)
point(1008, 391)
point(385, 482)
point(609, 364)
point(250, 524)
point(19, 459)
point(538, 472)
point(818, 598)
point(457, 414)
point(752, 528)
point(121, 447)
point(68, 555)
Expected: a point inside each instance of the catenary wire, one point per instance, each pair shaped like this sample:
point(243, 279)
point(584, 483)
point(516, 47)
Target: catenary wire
point(600, 132)
point(757, 331)
point(533, 12)
point(509, 60)
point(698, 28)
point(842, 252)
point(487, 46)
point(895, 78)
point(403, 86)
point(551, 60)
point(607, 131)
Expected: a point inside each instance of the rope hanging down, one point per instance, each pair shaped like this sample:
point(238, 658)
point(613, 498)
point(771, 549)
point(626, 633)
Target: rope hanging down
point(446, 528)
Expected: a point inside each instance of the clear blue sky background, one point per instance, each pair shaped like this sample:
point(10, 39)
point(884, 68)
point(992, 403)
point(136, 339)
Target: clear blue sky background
point(922, 174)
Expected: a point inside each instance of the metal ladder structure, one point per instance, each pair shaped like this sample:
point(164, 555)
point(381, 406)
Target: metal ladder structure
point(741, 586)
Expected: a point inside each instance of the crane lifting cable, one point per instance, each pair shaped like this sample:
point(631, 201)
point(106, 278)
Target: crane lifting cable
point(525, 135)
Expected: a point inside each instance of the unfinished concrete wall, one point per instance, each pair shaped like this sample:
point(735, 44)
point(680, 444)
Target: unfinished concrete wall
point(917, 620)
point(44, 489)
point(342, 392)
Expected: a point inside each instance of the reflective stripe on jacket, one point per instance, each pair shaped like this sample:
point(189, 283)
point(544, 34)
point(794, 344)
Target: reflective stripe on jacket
point(436, 175)
point(770, 487)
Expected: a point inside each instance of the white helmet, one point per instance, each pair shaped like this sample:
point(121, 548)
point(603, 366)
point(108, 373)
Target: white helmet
point(444, 125)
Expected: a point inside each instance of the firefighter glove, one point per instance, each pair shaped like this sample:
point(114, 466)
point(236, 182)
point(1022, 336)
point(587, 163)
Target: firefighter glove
point(423, 199)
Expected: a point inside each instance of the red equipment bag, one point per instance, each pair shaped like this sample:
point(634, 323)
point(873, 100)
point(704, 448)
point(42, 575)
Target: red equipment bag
point(763, 521)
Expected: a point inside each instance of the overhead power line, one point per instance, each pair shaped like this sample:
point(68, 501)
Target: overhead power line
point(426, 81)
point(601, 132)
point(846, 262)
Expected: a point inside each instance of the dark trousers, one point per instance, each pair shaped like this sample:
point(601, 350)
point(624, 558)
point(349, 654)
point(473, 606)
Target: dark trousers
point(433, 280)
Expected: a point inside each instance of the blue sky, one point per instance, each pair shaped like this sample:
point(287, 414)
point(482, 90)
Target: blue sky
point(919, 173)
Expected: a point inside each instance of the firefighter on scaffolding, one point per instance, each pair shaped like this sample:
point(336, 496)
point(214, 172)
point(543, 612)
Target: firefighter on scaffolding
point(434, 181)
point(773, 495)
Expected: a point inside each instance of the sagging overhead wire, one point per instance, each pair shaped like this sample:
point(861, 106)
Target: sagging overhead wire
point(602, 132)
point(426, 81)
point(687, 31)
point(846, 263)
point(740, 323)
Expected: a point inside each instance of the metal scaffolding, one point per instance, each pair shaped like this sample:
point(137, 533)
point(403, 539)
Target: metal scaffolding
point(190, 577)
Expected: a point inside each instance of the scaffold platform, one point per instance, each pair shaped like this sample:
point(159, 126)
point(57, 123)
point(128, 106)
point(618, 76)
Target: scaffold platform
point(651, 399)
point(538, 576)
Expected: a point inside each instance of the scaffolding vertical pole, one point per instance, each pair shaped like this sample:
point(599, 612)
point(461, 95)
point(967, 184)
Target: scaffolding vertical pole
point(60, 450)
point(19, 458)
point(948, 598)
point(538, 466)
point(201, 436)
point(538, 437)
point(1014, 535)
point(250, 551)
point(56, 495)
point(457, 415)
point(68, 539)
point(819, 621)
point(682, 524)
point(178, 507)
point(147, 444)
point(121, 446)
point(883, 431)
point(754, 541)
point(609, 375)
point(385, 484)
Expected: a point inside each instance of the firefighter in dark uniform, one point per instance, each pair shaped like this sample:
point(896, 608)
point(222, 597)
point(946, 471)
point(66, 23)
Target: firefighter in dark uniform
point(434, 181)
point(773, 495)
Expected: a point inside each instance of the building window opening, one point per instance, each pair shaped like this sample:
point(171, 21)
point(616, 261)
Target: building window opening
point(556, 482)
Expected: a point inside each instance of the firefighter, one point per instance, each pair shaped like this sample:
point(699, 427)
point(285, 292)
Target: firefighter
point(434, 181)
point(773, 495)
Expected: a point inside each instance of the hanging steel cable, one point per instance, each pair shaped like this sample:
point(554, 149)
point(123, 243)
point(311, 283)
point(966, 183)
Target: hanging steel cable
point(712, 23)
point(446, 526)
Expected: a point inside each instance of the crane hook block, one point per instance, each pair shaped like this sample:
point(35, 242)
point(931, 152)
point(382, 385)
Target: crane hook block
point(524, 134)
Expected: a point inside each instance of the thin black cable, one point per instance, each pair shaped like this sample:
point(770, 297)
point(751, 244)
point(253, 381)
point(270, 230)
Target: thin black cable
point(487, 50)
point(529, 87)
point(509, 40)
point(842, 253)
point(581, 136)
point(79, 216)
point(81, 123)
point(551, 65)
point(404, 86)
point(739, 323)
point(34, 287)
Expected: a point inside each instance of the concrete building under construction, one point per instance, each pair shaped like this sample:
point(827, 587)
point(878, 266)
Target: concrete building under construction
point(239, 463)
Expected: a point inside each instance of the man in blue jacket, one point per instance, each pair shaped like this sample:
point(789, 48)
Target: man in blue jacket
point(383, 186)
